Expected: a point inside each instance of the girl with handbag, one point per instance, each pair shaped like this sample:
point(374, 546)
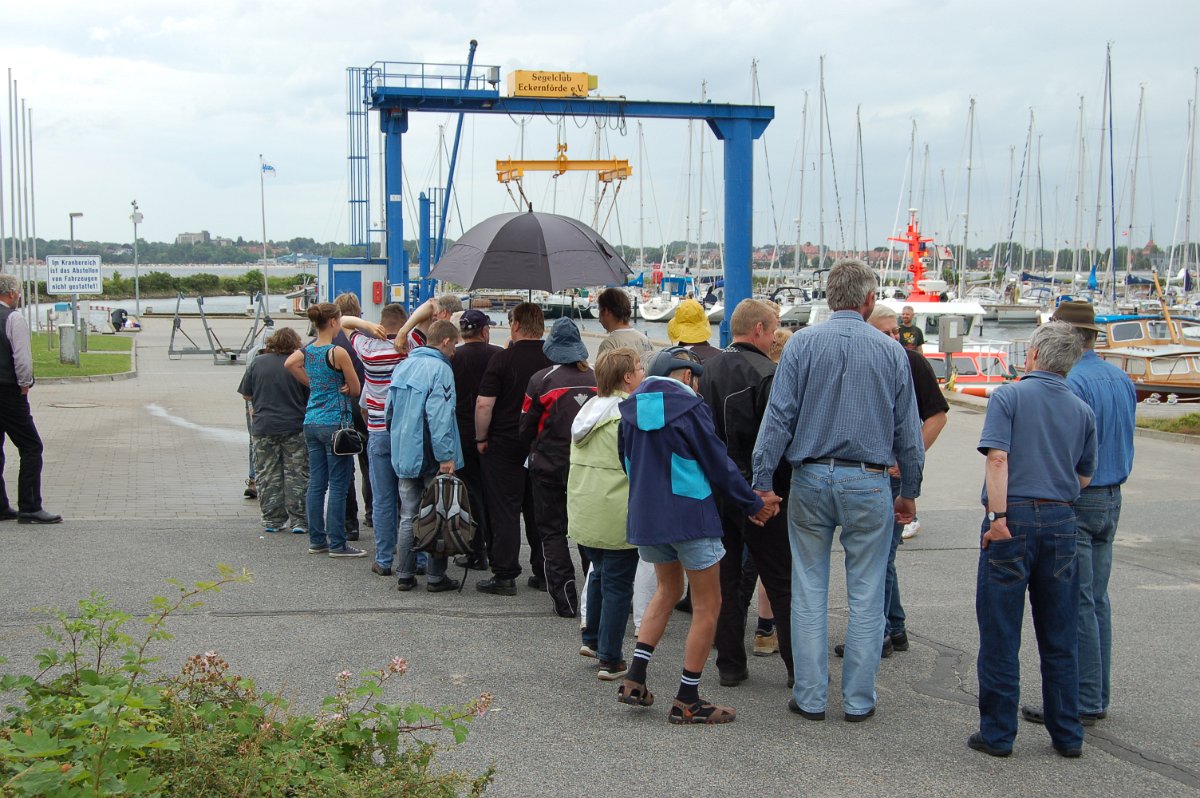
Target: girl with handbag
point(332, 386)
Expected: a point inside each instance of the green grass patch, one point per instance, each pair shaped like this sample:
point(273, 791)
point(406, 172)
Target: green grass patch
point(1183, 425)
point(91, 364)
point(97, 342)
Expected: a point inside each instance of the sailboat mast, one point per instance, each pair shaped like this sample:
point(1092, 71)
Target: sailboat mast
point(1041, 214)
point(821, 166)
point(641, 198)
point(1012, 154)
point(924, 175)
point(962, 272)
point(1189, 238)
point(1100, 172)
point(1075, 254)
point(596, 186)
point(1112, 188)
point(700, 192)
point(1137, 147)
point(687, 213)
point(912, 160)
point(857, 169)
point(803, 168)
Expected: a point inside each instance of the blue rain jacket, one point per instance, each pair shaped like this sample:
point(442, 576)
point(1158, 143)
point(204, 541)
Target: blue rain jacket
point(420, 414)
point(675, 460)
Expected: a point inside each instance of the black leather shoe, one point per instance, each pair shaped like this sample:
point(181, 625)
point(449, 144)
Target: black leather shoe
point(497, 586)
point(975, 743)
point(1036, 715)
point(734, 679)
point(888, 648)
point(537, 583)
point(8, 514)
point(900, 641)
point(1069, 753)
point(446, 583)
point(794, 707)
point(39, 517)
point(859, 717)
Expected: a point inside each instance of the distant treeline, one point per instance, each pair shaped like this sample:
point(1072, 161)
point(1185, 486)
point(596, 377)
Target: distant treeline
point(161, 284)
point(239, 251)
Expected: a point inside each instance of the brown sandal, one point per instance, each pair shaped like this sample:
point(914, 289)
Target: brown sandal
point(634, 694)
point(700, 711)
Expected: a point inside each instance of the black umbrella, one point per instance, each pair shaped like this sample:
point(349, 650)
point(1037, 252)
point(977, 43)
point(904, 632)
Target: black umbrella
point(531, 250)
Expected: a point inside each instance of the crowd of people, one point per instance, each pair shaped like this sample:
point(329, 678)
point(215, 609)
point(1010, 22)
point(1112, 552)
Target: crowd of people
point(704, 475)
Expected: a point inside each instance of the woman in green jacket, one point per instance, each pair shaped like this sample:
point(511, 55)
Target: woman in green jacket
point(597, 501)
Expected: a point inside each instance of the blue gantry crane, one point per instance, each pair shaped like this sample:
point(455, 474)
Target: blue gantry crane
point(398, 89)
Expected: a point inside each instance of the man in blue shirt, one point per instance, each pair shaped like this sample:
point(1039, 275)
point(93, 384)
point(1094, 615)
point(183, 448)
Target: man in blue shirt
point(1040, 443)
point(842, 410)
point(1111, 395)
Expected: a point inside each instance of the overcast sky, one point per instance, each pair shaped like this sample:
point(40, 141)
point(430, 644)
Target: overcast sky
point(170, 103)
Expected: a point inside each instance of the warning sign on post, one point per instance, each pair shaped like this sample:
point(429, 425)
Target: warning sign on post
point(73, 275)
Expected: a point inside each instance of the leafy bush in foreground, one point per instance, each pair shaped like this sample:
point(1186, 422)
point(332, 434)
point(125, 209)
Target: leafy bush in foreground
point(95, 722)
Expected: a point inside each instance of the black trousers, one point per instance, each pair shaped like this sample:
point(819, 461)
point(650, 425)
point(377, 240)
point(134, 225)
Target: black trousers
point(551, 502)
point(364, 468)
point(771, 550)
point(508, 492)
point(472, 476)
point(16, 424)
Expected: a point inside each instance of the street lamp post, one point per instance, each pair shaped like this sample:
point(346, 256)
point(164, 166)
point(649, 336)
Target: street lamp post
point(136, 218)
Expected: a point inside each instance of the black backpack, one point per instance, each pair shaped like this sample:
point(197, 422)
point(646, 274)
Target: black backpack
point(444, 526)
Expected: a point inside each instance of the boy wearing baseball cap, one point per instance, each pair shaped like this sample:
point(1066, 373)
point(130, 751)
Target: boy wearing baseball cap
point(674, 460)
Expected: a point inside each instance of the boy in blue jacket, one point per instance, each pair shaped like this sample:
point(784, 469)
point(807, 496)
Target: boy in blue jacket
point(424, 437)
point(674, 459)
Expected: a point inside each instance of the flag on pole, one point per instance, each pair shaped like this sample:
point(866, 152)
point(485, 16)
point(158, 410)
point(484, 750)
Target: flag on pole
point(268, 169)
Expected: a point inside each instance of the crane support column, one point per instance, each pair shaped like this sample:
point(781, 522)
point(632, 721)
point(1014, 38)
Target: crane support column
point(394, 123)
point(739, 136)
point(423, 251)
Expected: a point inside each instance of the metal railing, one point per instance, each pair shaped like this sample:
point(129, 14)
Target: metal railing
point(411, 75)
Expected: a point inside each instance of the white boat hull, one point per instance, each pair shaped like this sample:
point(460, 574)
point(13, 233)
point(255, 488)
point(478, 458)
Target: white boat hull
point(660, 309)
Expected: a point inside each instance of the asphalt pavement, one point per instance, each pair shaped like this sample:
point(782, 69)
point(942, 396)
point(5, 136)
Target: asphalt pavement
point(148, 473)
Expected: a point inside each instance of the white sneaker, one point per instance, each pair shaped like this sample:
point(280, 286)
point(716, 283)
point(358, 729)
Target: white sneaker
point(910, 530)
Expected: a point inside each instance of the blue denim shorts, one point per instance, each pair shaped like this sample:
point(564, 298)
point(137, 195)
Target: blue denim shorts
point(693, 555)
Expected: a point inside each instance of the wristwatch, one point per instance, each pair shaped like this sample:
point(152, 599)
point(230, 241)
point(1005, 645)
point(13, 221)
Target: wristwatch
point(993, 517)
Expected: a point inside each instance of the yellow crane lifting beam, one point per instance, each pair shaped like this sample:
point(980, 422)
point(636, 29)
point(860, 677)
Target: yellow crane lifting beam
point(608, 170)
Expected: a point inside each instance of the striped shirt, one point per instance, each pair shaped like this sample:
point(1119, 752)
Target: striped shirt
point(842, 389)
point(379, 359)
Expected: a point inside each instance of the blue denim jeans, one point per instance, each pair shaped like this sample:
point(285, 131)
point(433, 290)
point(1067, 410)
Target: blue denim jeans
point(609, 599)
point(410, 491)
point(385, 496)
point(1040, 558)
point(893, 610)
point(1097, 511)
point(328, 473)
point(823, 497)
